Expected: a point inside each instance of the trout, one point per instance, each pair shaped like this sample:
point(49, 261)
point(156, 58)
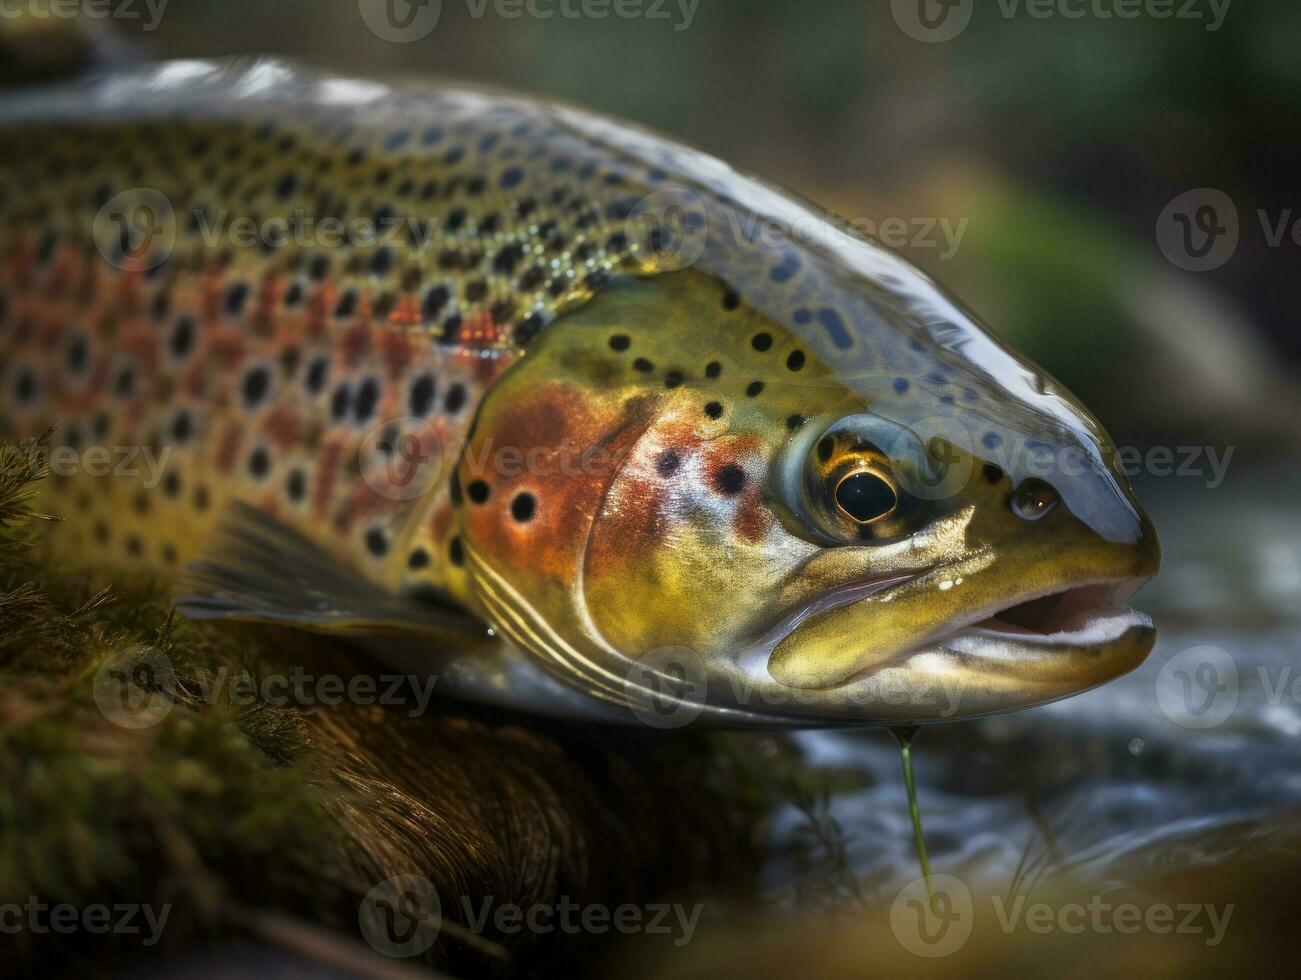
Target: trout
point(576, 418)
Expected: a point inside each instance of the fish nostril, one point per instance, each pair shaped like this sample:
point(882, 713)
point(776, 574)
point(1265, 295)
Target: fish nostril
point(1034, 499)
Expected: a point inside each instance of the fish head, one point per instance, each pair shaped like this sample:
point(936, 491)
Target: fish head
point(790, 534)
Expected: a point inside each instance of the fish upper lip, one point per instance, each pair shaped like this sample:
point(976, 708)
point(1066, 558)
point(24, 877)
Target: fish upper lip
point(1115, 590)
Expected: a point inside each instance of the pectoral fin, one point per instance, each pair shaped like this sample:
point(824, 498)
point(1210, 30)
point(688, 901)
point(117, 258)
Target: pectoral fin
point(257, 569)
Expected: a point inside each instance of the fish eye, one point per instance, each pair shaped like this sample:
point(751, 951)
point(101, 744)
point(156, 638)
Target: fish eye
point(865, 496)
point(1033, 500)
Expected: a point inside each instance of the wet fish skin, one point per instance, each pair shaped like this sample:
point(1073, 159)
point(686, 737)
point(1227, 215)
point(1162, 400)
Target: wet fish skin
point(571, 398)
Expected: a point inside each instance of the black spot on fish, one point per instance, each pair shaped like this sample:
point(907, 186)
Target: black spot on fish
point(367, 398)
point(294, 294)
point(347, 304)
point(643, 365)
point(713, 369)
point(714, 410)
point(753, 388)
point(314, 381)
point(673, 379)
point(730, 480)
point(182, 426)
point(421, 398)
point(505, 260)
point(528, 328)
point(522, 507)
point(257, 382)
point(236, 297)
point(259, 463)
point(478, 491)
point(795, 360)
point(455, 400)
point(435, 299)
point(319, 267)
point(731, 300)
point(451, 329)
point(511, 178)
point(296, 485)
point(172, 484)
point(794, 422)
point(286, 186)
point(761, 341)
point(125, 382)
point(340, 401)
point(376, 543)
point(78, 354)
point(382, 262)
point(620, 342)
point(456, 552)
point(667, 463)
point(901, 385)
point(993, 473)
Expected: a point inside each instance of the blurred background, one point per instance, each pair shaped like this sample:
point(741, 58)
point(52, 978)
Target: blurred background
point(1117, 196)
point(1048, 147)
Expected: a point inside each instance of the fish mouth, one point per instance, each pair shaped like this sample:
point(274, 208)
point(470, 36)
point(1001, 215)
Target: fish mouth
point(1018, 651)
point(1076, 614)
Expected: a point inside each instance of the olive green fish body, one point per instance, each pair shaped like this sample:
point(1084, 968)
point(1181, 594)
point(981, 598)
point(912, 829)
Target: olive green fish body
point(522, 367)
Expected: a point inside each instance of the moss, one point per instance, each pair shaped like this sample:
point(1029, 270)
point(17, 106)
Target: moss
point(265, 819)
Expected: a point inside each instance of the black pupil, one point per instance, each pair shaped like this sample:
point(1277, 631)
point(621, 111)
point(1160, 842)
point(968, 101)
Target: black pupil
point(865, 497)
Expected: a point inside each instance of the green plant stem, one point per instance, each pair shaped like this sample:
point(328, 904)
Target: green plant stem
point(904, 738)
